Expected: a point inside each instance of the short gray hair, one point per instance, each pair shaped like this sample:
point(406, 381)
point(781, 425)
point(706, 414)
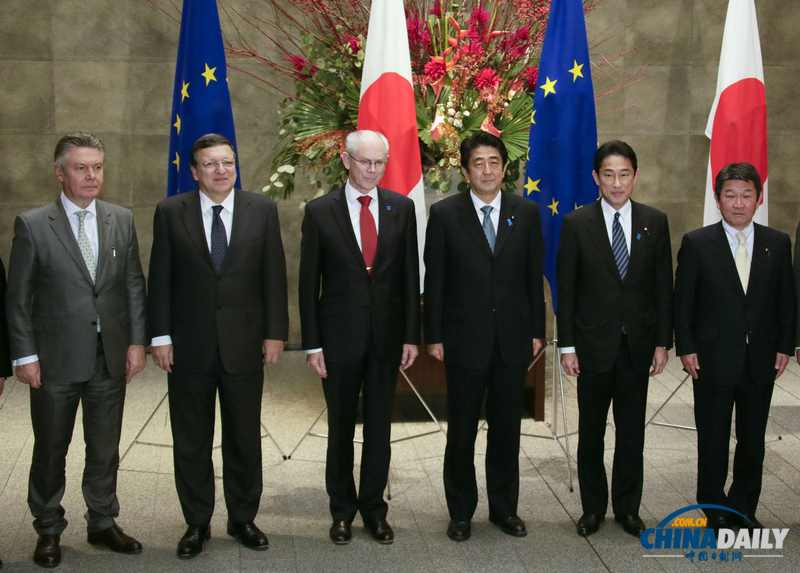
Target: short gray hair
point(354, 138)
point(73, 140)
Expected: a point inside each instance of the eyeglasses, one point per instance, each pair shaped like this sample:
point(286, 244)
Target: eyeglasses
point(366, 163)
point(226, 164)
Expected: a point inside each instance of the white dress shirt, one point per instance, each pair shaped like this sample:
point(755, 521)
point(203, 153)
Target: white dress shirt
point(207, 211)
point(733, 240)
point(90, 226)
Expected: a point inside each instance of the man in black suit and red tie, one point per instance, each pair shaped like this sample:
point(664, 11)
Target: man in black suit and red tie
point(359, 310)
point(217, 312)
point(614, 268)
point(735, 312)
point(485, 318)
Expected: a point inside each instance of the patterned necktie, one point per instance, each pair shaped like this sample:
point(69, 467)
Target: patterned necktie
point(219, 240)
point(743, 261)
point(86, 246)
point(488, 228)
point(369, 234)
point(619, 247)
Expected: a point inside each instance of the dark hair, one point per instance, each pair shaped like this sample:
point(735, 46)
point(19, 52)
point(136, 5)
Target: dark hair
point(481, 139)
point(737, 172)
point(614, 147)
point(209, 140)
point(73, 140)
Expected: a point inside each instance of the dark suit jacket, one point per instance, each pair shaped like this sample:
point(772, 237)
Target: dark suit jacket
point(5, 349)
point(341, 305)
point(201, 310)
point(473, 296)
point(797, 281)
point(594, 302)
point(52, 305)
point(714, 317)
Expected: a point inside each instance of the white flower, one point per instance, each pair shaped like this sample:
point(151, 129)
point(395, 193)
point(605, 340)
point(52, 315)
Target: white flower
point(458, 123)
point(286, 169)
point(266, 188)
point(274, 177)
point(278, 184)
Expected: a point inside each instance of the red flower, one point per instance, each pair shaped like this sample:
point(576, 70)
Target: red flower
point(355, 43)
point(302, 66)
point(487, 78)
point(531, 74)
point(435, 69)
point(517, 44)
point(472, 49)
point(437, 9)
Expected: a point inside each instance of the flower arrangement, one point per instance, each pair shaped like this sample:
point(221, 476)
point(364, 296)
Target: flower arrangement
point(474, 66)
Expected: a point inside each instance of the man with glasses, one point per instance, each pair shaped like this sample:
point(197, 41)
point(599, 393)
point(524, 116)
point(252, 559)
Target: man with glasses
point(360, 245)
point(217, 312)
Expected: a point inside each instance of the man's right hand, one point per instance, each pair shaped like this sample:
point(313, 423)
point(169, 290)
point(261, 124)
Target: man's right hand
point(691, 365)
point(317, 363)
point(162, 356)
point(29, 374)
point(569, 363)
point(437, 351)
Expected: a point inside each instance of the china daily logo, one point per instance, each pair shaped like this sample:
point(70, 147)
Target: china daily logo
point(698, 543)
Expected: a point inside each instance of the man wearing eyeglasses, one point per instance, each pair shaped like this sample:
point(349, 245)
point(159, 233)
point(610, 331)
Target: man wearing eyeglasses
point(360, 245)
point(217, 312)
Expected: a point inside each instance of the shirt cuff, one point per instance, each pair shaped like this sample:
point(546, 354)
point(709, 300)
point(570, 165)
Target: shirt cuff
point(567, 350)
point(25, 360)
point(161, 340)
point(313, 350)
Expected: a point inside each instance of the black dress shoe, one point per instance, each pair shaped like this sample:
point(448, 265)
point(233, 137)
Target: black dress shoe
point(340, 532)
point(750, 524)
point(248, 535)
point(114, 538)
point(632, 524)
point(459, 530)
point(718, 522)
point(511, 525)
point(589, 523)
point(47, 552)
point(381, 531)
point(191, 544)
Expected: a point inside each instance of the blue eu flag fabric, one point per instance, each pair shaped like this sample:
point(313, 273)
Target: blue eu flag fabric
point(563, 136)
point(201, 102)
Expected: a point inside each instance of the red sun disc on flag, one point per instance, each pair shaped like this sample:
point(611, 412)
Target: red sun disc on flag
point(740, 127)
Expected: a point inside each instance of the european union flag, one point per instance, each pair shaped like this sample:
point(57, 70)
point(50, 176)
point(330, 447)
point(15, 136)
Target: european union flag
point(563, 136)
point(201, 102)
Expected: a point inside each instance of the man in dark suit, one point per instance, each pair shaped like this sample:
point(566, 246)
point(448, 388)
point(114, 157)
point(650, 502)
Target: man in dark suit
point(5, 350)
point(735, 312)
point(360, 246)
point(75, 307)
point(485, 318)
point(614, 268)
point(217, 312)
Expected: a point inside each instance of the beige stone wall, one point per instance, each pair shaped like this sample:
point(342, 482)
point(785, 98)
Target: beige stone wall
point(107, 66)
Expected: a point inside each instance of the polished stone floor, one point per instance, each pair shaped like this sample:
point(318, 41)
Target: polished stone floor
point(294, 504)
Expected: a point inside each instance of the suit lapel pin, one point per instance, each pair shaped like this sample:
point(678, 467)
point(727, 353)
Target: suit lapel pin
point(388, 207)
point(767, 251)
point(510, 221)
point(646, 230)
point(638, 236)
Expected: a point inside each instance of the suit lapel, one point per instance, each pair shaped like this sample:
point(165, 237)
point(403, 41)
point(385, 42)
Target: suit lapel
point(505, 224)
point(341, 215)
point(640, 232)
point(469, 219)
point(761, 253)
point(722, 251)
point(193, 220)
point(62, 229)
point(387, 220)
point(597, 230)
point(105, 226)
point(241, 221)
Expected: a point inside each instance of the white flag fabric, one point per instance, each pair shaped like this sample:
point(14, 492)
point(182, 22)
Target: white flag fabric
point(387, 104)
point(737, 124)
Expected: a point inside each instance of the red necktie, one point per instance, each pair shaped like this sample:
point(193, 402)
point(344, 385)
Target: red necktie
point(369, 234)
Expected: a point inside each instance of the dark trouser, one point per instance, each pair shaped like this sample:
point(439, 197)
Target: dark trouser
point(376, 381)
point(628, 391)
point(53, 409)
point(503, 388)
point(713, 407)
point(192, 401)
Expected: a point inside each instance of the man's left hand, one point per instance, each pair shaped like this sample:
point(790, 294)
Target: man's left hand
point(136, 361)
point(271, 349)
point(660, 358)
point(410, 352)
point(538, 343)
point(780, 364)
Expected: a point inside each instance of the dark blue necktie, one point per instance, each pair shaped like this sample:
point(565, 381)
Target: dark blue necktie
point(219, 240)
point(619, 247)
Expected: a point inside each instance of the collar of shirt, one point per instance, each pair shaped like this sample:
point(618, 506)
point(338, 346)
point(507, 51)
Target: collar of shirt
point(733, 240)
point(494, 215)
point(354, 208)
point(226, 215)
point(71, 208)
point(625, 220)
